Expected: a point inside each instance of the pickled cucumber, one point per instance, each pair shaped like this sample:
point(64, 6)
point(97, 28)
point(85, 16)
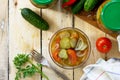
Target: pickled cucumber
point(65, 43)
point(63, 54)
point(64, 34)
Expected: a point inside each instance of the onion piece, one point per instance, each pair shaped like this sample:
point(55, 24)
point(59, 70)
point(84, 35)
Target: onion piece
point(81, 45)
point(81, 53)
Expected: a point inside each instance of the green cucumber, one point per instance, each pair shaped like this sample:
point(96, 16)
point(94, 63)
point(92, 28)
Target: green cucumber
point(34, 19)
point(90, 4)
point(78, 6)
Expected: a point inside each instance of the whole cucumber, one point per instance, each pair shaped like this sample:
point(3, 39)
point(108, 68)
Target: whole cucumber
point(34, 19)
point(78, 6)
point(90, 4)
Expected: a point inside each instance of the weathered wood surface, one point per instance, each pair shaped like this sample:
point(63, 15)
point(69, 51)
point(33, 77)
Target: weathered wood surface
point(58, 19)
point(24, 37)
point(3, 40)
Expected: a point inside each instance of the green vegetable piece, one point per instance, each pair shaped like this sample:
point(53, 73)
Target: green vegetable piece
point(73, 42)
point(34, 19)
point(63, 54)
point(78, 6)
point(29, 71)
point(65, 43)
point(26, 68)
point(20, 59)
point(65, 1)
point(64, 34)
point(90, 4)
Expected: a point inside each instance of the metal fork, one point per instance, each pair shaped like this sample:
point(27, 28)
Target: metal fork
point(40, 59)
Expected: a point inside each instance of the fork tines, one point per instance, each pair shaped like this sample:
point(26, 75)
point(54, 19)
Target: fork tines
point(36, 55)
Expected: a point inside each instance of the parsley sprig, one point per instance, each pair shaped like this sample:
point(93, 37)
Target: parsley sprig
point(26, 67)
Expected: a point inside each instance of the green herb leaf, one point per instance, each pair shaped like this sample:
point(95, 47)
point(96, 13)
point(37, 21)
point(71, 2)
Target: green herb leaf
point(29, 71)
point(18, 75)
point(20, 59)
point(26, 70)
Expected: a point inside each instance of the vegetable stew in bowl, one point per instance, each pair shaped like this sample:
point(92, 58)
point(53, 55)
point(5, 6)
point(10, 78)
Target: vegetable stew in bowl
point(69, 47)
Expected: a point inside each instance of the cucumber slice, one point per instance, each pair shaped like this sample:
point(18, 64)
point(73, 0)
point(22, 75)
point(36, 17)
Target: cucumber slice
point(65, 43)
point(73, 42)
point(63, 54)
point(64, 34)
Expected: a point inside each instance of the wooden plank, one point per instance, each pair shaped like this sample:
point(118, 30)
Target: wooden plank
point(4, 40)
point(57, 19)
point(114, 52)
point(92, 34)
point(23, 37)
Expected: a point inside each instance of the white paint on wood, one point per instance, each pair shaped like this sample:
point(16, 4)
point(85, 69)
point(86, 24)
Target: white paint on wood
point(4, 40)
point(57, 19)
point(23, 37)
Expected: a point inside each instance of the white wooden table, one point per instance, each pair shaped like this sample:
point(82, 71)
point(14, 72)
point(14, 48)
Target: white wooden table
point(20, 36)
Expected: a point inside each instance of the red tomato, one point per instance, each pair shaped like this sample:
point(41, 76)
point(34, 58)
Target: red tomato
point(103, 44)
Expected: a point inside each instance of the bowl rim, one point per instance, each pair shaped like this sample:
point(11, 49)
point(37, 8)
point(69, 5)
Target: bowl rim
point(78, 30)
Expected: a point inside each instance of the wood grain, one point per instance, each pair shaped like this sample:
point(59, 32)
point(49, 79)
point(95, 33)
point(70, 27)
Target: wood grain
point(57, 19)
point(4, 40)
point(114, 52)
point(23, 37)
point(90, 31)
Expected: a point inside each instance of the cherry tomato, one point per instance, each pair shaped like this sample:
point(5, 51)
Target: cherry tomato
point(103, 44)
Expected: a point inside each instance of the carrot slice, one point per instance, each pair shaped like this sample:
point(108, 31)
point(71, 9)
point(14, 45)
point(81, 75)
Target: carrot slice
point(58, 40)
point(55, 56)
point(72, 56)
